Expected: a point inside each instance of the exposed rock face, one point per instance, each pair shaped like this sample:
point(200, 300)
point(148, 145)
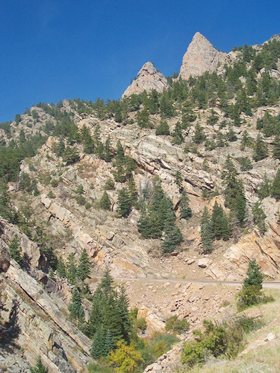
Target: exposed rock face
point(148, 79)
point(41, 320)
point(200, 57)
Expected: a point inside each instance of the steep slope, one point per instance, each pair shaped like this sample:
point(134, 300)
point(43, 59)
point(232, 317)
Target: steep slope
point(200, 57)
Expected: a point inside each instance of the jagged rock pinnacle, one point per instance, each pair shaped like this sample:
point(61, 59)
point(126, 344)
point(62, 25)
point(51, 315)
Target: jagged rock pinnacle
point(200, 57)
point(148, 79)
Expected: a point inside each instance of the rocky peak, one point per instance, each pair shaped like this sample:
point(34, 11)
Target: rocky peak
point(148, 79)
point(200, 57)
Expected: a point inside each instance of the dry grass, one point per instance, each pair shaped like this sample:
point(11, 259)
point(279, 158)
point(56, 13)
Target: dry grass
point(263, 358)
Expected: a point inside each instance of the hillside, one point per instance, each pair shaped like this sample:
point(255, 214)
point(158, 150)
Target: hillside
point(174, 185)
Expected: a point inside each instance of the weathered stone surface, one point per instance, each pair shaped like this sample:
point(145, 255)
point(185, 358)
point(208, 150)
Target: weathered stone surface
point(200, 57)
point(148, 79)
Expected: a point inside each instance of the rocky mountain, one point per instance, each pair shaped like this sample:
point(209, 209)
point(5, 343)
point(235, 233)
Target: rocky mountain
point(200, 57)
point(147, 79)
point(173, 188)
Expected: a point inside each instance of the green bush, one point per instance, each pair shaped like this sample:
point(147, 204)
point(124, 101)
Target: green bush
point(217, 340)
point(173, 324)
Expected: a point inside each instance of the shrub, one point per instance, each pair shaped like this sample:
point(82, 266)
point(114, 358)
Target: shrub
point(141, 324)
point(173, 324)
point(163, 129)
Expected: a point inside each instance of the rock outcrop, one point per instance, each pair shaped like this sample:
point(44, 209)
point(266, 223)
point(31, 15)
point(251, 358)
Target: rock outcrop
point(200, 57)
point(148, 79)
point(35, 321)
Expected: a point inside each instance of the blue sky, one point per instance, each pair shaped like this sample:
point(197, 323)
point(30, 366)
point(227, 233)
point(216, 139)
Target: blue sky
point(56, 49)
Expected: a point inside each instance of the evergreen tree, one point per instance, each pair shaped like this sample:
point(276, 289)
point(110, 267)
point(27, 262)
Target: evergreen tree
point(143, 119)
point(234, 191)
point(105, 202)
point(199, 135)
point(61, 268)
point(98, 347)
point(259, 217)
point(265, 188)
point(185, 210)
point(206, 233)
point(275, 189)
point(246, 140)
point(166, 106)
point(119, 152)
point(163, 129)
point(107, 152)
point(109, 317)
point(179, 180)
point(83, 269)
point(39, 367)
point(178, 137)
point(59, 148)
point(276, 148)
point(133, 191)
point(219, 223)
point(260, 149)
point(240, 207)
point(70, 155)
point(75, 307)
point(87, 141)
point(254, 275)
point(124, 203)
point(98, 145)
point(172, 238)
point(15, 251)
point(71, 272)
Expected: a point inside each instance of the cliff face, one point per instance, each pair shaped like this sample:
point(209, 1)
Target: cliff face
point(34, 318)
point(200, 57)
point(148, 79)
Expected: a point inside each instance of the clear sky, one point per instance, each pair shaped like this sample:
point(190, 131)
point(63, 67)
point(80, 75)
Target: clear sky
point(56, 49)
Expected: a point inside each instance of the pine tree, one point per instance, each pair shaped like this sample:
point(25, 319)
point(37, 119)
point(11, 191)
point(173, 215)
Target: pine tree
point(98, 347)
point(70, 155)
point(75, 307)
point(105, 202)
point(177, 135)
point(98, 145)
point(199, 135)
point(143, 119)
point(71, 272)
point(172, 238)
point(240, 207)
point(254, 275)
point(163, 129)
point(265, 188)
point(219, 223)
point(87, 141)
point(83, 269)
point(185, 210)
point(275, 189)
point(259, 217)
point(206, 232)
point(61, 268)
point(119, 152)
point(133, 191)
point(260, 149)
point(276, 148)
point(124, 203)
point(107, 152)
point(109, 317)
point(15, 251)
point(39, 368)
